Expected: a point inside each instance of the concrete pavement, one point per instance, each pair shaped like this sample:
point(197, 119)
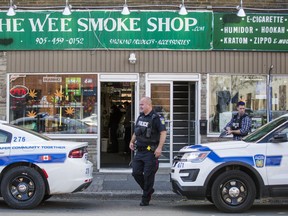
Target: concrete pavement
point(119, 184)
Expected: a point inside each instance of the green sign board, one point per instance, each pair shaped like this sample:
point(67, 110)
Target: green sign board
point(262, 32)
point(97, 29)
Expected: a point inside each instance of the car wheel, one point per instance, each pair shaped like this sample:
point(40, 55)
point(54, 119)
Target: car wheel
point(22, 188)
point(233, 191)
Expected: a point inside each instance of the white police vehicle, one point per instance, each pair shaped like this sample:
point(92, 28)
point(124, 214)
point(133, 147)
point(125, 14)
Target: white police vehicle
point(233, 174)
point(33, 167)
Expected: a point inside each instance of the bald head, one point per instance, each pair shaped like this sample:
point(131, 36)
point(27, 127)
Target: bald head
point(145, 105)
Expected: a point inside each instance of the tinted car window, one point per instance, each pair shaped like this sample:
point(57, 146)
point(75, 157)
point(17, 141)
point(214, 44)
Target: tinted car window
point(263, 131)
point(5, 137)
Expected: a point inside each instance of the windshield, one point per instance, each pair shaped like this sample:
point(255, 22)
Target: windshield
point(30, 131)
point(265, 129)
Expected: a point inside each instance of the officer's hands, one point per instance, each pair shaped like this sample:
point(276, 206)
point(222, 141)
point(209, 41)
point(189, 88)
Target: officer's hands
point(131, 146)
point(158, 152)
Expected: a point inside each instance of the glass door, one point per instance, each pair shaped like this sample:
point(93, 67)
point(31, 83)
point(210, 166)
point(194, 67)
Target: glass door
point(176, 101)
point(162, 103)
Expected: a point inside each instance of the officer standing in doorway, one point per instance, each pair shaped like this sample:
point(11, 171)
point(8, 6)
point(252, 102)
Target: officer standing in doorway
point(240, 124)
point(147, 140)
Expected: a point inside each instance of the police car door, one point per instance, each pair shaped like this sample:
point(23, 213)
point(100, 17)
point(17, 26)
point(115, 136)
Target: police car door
point(5, 147)
point(277, 157)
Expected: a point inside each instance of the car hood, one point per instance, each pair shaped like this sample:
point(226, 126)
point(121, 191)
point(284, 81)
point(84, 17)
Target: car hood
point(215, 146)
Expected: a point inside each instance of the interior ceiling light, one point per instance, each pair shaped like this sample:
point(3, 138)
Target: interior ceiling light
point(11, 10)
point(183, 10)
point(125, 10)
point(241, 12)
point(67, 9)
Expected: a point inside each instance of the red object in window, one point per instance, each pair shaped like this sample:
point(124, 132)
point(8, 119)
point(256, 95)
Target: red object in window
point(19, 91)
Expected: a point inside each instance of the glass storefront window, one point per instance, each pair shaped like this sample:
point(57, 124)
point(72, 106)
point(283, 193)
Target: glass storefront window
point(227, 90)
point(65, 104)
point(279, 105)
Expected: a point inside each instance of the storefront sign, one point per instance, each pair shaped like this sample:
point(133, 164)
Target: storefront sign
point(263, 32)
point(50, 30)
point(52, 79)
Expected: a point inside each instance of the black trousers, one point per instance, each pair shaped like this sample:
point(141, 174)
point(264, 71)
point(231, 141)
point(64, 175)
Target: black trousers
point(145, 166)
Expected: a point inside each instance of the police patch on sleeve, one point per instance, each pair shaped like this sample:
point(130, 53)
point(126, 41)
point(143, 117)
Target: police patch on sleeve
point(259, 160)
point(162, 120)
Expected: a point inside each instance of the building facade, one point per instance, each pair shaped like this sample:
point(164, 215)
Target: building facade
point(65, 78)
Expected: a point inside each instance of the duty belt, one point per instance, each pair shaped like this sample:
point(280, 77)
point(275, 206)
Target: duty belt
point(146, 148)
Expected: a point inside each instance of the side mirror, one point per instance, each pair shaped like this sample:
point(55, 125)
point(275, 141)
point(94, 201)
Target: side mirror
point(282, 137)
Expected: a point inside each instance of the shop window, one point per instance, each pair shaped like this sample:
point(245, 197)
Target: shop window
point(65, 104)
point(279, 105)
point(227, 90)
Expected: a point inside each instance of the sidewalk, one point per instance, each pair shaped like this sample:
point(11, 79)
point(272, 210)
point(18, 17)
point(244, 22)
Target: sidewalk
point(117, 184)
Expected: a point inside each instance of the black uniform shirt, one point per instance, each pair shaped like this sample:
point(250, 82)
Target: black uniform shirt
point(148, 128)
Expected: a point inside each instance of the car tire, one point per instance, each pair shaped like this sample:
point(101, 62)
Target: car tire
point(233, 191)
point(22, 188)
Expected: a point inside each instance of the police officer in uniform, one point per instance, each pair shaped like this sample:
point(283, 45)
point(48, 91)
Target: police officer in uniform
point(147, 141)
point(240, 124)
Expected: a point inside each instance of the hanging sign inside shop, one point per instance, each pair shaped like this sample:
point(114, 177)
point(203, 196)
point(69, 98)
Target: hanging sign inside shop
point(263, 32)
point(19, 91)
point(50, 30)
point(73, 85)
point(52, 79)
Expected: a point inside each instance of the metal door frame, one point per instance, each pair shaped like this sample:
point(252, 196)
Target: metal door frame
point(169, 79)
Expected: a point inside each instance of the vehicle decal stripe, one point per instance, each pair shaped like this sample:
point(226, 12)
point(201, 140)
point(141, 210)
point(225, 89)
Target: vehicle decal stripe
point(199, 147)
point(32, 158)
point(217, 159)
point(247, 159)
point(273, 160)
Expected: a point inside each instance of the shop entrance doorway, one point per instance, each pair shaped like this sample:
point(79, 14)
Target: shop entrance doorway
point(176, 97)
point(176, 102)
point(117, 120)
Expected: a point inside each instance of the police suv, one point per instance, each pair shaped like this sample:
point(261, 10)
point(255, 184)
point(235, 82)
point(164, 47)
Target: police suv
point(33, 167)
point(233, 174)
